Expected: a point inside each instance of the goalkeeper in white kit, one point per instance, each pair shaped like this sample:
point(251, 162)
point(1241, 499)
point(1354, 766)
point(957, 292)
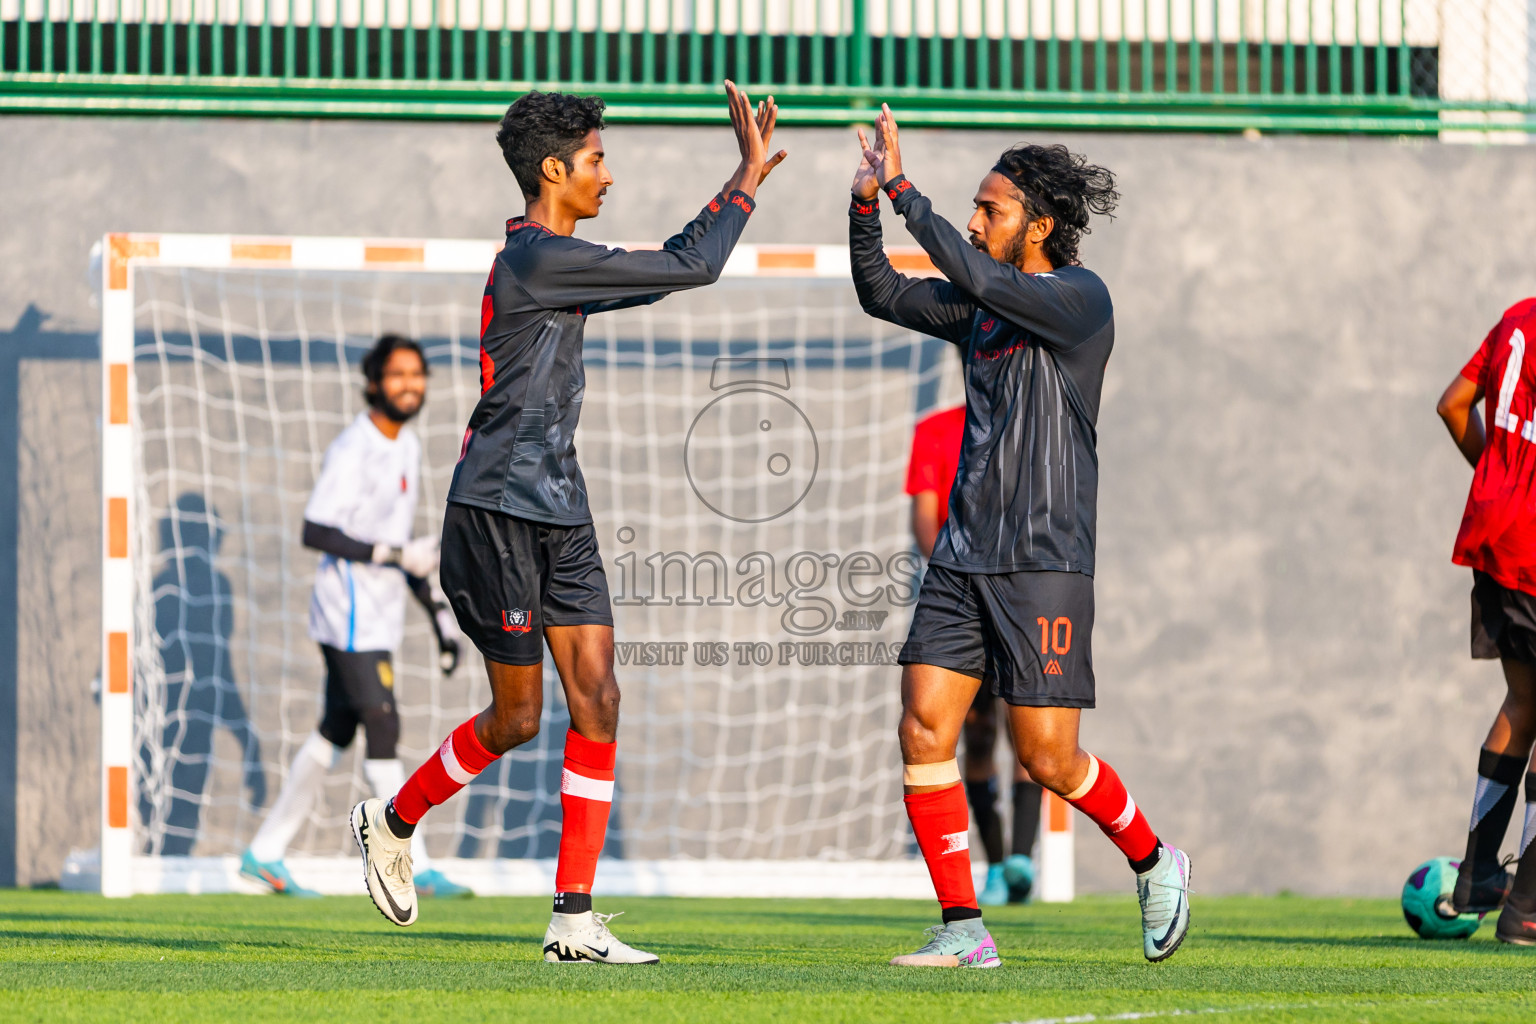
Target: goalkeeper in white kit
point(359, 517)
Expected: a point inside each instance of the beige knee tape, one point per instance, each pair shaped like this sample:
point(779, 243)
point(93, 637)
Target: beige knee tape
point(941, 774)
point(1088, 781)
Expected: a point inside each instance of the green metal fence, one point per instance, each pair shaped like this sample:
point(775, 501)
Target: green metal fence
point(1327, 65)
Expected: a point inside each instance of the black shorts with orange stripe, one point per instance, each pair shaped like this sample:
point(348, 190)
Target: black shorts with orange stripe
point(1028, 636)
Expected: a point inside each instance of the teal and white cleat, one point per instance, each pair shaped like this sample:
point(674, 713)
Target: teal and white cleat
point(1019, 873)
point(995, 892)
point(274, 875)
point(1164, 895)
point(433, 884)
point(957, 944)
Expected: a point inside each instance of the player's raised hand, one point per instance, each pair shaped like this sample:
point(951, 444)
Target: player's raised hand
point(755, 164)
point(767, 120)
point(885, 155)
point(864, 184)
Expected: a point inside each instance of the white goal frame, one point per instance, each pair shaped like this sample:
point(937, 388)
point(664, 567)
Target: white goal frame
point(123, 872)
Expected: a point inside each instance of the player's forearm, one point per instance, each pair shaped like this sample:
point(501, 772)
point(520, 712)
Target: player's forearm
point(1042, 304)
point(1458, 410)
point(1466, 429)
point(925, 522)
point(875, 281)
point(747, 177)
point(591, 275)
point(331, 541)
point(694, 230)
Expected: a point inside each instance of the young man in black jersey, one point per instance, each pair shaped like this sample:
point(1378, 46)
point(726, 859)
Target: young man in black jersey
point(520, 563)
point(1007, 600)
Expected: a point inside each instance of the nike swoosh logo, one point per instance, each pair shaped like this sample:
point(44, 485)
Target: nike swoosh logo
point(575, 952)
point(1162, 943)
point(389, 898)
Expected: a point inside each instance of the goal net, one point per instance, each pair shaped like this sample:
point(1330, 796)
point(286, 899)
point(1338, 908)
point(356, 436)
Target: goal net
point(745, 449)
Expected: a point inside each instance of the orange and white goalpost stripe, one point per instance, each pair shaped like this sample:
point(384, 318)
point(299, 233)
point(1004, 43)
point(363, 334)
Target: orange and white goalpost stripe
point(123, 252)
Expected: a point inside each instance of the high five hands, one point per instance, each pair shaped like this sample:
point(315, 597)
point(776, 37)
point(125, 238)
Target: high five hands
point(753, 135)
point(880, 162)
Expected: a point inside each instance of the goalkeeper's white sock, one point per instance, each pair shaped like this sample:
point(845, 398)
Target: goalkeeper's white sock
point(385, 777)
point(317, 757)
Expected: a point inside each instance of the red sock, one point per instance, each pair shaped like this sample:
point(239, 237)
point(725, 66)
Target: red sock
point(457, 761)
point(943, 829)
point(586, 795)
point(1111, 808)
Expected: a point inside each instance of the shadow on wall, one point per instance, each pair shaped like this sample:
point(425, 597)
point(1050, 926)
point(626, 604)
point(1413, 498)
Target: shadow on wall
point(194, 615)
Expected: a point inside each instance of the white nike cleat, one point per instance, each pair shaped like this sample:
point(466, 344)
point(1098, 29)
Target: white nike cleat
point(386, 863)
point(585, 939)
point(1164, 895)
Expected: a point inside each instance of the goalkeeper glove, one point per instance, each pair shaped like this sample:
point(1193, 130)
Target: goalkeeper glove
point(418, 557)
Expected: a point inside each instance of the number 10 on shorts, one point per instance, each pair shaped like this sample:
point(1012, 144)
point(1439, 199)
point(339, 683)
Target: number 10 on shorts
point(1055, 636)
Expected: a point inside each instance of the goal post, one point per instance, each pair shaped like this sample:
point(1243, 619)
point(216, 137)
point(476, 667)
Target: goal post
point(745, 448)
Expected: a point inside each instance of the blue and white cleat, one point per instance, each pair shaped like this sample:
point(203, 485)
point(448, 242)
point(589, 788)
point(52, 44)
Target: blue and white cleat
point(433, 884)
point(1019, 873)
point(274, 875)
point(995, 892)
point(1164, 895)
point(957, 944)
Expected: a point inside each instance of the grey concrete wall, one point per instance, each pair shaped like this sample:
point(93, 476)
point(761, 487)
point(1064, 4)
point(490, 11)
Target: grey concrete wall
point(1282, 640)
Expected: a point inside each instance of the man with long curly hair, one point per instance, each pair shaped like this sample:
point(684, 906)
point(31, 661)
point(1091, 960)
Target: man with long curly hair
point(1007, 600)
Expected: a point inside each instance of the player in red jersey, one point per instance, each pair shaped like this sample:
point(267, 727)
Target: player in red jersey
point(1497, 541)
point(930, 477)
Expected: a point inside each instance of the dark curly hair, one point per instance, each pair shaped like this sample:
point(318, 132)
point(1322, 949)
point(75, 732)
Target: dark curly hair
point(378, 358)
point(1064, 186)
point(544, 124)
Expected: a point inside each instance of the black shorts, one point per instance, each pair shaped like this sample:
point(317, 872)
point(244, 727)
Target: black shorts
point(360, 689)
point(1028, 636)
point(508, 578)
point(1503, 620)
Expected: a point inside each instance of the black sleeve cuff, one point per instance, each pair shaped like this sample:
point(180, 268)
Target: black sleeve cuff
point(901, 192)
point(741, 199)
point(864, 207)
point(718, 203)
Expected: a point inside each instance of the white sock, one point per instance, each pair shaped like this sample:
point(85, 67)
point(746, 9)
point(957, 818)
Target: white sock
point(385, 777)
point(315, 759)
point(1530, 827)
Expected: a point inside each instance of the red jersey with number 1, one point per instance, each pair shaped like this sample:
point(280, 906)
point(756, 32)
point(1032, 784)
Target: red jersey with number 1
point(1498, 529)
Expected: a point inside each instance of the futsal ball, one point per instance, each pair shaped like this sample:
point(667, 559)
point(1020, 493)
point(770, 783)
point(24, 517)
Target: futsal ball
point(1427, 902)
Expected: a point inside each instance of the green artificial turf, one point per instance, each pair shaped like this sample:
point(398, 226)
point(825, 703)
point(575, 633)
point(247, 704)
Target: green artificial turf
point(65, 956)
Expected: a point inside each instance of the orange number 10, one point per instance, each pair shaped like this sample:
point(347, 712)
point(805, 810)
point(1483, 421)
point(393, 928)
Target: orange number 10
point(1055, 637)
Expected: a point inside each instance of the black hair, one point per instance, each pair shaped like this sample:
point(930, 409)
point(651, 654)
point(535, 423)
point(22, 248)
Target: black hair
point(378, 358)
point(1064, 186)
point(545, 124)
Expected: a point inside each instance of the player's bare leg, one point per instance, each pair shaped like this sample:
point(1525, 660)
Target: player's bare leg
point(934, 704)
point(584, 658)
point(1046, 739)
point(1483, 883)
point(981, 790)
point(1019, 866)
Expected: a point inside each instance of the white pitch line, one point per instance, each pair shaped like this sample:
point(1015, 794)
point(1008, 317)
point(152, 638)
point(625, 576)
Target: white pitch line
point(1094, 1018)
point(1091, 1018)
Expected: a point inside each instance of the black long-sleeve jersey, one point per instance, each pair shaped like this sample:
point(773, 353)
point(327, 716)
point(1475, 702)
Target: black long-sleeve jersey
point(1035, 347)
point(519, 453)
